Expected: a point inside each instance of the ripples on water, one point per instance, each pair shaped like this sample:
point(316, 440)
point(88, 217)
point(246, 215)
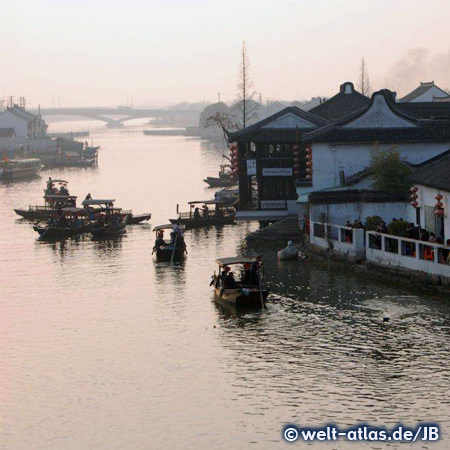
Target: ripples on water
point(102, 348)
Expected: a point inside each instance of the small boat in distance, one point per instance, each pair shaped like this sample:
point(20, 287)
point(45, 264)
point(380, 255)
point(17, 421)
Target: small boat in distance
point(223, 180)
point(243, 291)
point(95, 206)
point(196, 217)
point(19, 169)
point(169, 250)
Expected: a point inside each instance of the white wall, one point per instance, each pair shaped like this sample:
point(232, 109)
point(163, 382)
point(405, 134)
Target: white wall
point(339, 213)
point(429, 95)
point(9, 120)
point(327, 159)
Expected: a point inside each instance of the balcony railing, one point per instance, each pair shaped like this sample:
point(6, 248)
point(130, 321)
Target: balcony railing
point(409, 253)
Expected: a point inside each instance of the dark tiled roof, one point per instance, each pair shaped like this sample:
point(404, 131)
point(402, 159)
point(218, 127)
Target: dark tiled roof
point(259, 133)
point(341, 104)
point(434, 173)
point(428, 110)
point(424, 131)
point(424, 87)
point(7, 132)
point(354, 195)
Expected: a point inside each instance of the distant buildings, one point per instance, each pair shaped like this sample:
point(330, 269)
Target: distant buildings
point(426, 92)
point(24, 124)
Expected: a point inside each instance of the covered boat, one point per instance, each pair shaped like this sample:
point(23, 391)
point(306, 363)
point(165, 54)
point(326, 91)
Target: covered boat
point(93, 207)
point(240, 291)
point(223, 180)
point(196, 217)
point(18, 169)
point(110, 226)
point(56, 197)
point(68, 224)
point(169, 250)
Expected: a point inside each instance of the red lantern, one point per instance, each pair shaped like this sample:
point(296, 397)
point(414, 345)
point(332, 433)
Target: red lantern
point(414, 189)
point(439, 197)
point(414, 204)
point(439, 212)
point(413, 197)
point(309, 150)
point(309, 171)
point(309, 157)
point(439, 205)
point(308, 177)
point(309, 164)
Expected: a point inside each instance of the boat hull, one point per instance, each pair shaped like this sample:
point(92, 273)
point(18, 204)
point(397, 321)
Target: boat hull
point(242, 297)
point(107, 232)
point(61, 233)
point(135, 219)
point(21, 174)
point(165, 254)
point(218, 182)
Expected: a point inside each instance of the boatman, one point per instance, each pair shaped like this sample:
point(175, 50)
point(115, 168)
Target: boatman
point(254, 271)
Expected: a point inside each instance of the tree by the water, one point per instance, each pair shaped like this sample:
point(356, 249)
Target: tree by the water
point(389, 172)
point(245, 107)
point(364, 81)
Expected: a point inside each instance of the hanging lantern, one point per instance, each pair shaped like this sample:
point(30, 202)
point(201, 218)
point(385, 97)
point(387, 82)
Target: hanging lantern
point(414, 204)
point(439, 197)
point(309, 164)
point(308, 150)
point(309, 170)
point(308, 176)
point(439, 205)
point(414, 189)
point(440, 212)
point(414, 197)
point(309, 157)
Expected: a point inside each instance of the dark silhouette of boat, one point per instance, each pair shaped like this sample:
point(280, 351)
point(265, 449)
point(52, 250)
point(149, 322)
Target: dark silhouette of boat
point(173, 250)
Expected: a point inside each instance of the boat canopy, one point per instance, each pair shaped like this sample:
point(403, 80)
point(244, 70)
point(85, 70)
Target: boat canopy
point(168, 226)
point(206, 202)
point(57, 181)
point(72, 210)
point(59, 196)
point(235, 260)
point(97, 202)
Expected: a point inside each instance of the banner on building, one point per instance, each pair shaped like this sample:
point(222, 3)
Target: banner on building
point(251, 166)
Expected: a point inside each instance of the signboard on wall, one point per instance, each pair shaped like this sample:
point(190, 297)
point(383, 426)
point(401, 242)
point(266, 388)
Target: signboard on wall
point(251, 167)
point(277, 172)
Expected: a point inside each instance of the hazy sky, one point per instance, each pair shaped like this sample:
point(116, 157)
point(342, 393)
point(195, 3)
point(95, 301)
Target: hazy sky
point(164, 51)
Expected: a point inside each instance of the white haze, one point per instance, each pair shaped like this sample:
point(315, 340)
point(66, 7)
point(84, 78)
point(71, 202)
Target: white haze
point(166, 51)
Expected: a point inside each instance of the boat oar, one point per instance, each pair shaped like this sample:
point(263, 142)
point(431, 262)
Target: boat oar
point(260, 291)
point(174, 247)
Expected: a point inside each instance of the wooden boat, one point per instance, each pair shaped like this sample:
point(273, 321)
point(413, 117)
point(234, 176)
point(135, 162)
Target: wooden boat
point(223, 180)
point(19, 169)
point(244, 294)
point(93, 207)
point(62, 229)
point(109, 230)
point(169, 250)
point(196, 217)
point(56, 197)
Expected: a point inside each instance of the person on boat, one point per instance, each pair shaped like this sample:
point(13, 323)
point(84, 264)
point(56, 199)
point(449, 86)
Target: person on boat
point(246, 274)
point(196, 213)
point(88, 197)
point(206, 212)
point(63, 190)
point(254, 271)
point(223, 275)
point(160, 240)
point(218, 213)
point(230, 282)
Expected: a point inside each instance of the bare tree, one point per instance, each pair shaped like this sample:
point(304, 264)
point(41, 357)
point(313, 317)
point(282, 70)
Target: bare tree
point(364, 81)
point(246, 107)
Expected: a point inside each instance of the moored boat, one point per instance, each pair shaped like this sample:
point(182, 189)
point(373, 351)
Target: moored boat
point(196, 217)
point(92, 207)
point(169, 250)
point(242, 292)
point(18, 169)
point(224, 179)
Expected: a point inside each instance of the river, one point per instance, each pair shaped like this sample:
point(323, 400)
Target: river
point(102, 348)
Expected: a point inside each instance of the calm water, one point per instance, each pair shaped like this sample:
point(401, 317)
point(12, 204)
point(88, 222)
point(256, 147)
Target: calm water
point(102, 348)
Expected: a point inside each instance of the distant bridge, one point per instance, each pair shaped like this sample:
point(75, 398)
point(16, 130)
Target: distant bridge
point(128, 113)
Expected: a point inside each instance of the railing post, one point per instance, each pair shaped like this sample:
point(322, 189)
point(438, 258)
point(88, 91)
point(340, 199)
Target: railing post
point(383, 243)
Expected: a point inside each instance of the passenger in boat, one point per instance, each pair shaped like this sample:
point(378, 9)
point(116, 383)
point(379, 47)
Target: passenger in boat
point(218, 213)
point(88, 197)
point(160, 240)
point(49, 186)
point(196, 213)
point(223, 275)
point(63, 190)
point(246, 274)
point(230, 282)
point(206, 212)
